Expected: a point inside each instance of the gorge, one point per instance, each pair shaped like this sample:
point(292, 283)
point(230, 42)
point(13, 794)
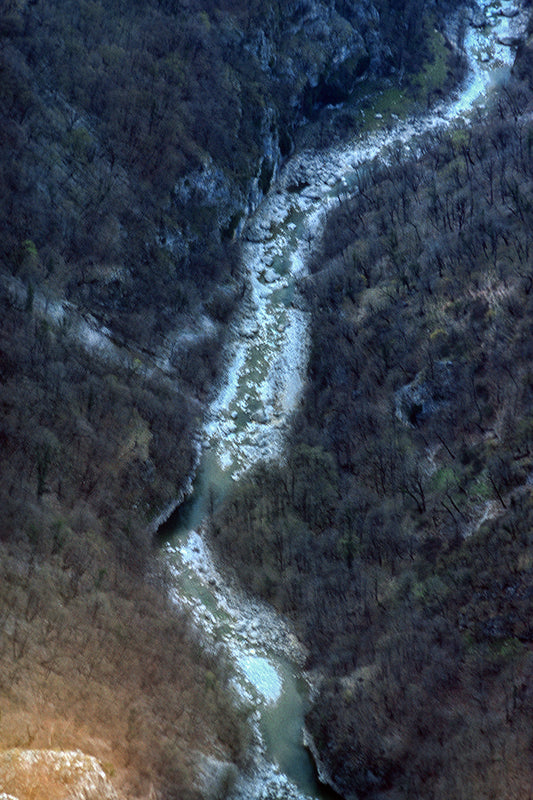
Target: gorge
point(266, 366)
point(274, 258)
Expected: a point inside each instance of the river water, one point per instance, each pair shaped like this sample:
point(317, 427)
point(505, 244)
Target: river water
point(248, 418)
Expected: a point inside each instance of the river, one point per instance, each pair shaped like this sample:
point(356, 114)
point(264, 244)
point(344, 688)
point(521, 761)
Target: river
point(247, 420)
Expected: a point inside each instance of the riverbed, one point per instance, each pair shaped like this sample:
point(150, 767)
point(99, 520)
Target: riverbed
point(248, 418)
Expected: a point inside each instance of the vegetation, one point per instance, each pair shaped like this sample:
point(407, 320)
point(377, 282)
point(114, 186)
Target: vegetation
point(133, 137)
point(92, 659)
point(398, 532)
point(129, 138)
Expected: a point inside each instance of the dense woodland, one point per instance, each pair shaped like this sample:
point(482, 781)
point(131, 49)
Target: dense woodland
point(94, 659)
point(398, 533)
point(133, 138)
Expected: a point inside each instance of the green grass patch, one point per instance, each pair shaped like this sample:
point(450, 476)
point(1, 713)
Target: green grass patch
point(378, 107)
point(435, 72)
point(509, 648)
point(381, 106)
point(444, 479)
point(481, 488)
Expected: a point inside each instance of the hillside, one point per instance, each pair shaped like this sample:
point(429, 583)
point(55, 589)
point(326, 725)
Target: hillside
point(134, 138)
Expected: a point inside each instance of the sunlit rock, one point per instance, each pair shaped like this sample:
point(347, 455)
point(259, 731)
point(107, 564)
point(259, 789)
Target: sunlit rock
point(57, 774)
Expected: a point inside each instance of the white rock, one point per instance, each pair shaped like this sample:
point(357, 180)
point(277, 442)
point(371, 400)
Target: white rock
point(269, 275)
point(82, 775)
point(510, 12)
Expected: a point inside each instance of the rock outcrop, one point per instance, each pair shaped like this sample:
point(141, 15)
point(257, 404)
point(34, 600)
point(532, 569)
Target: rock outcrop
point(523, 66)
point(57, 774)
point(309, 58)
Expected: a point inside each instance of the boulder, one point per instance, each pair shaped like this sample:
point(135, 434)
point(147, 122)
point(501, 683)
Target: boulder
point(510, 12)
point(270, 275)
point(477, 18)
point(260, 416)
point(430, 391)
point(509, 41)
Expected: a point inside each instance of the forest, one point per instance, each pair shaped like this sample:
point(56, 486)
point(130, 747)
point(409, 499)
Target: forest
point(134, 139)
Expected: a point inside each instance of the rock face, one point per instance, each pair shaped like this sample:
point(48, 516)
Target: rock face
point(50, 774)
point(215, 778)
point(523, 66)
point(310, 56)
point(323, 50)
point(323, 773)
point(427, 394)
